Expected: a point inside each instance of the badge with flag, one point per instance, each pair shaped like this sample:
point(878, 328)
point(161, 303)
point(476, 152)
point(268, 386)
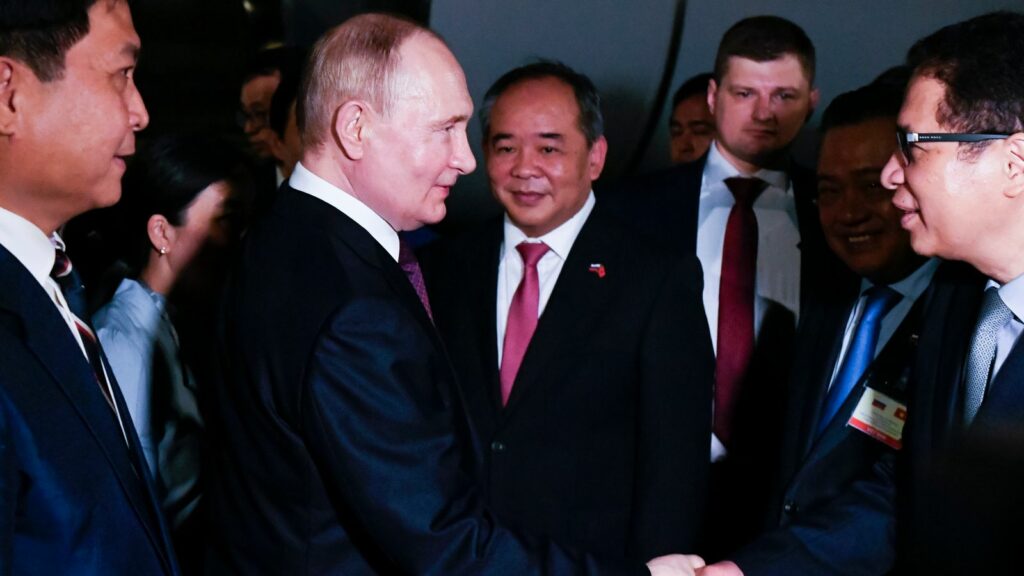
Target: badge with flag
point(598, 269)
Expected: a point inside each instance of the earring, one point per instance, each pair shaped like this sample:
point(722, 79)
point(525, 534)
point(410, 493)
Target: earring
point(163, 250)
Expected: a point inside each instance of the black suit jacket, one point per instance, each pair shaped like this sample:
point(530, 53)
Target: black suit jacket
point(603, 443)
point(665, 206)
point(74, 498)
point(339, 426)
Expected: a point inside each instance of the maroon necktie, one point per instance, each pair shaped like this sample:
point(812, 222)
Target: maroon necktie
point(63, 272)
point(736, 301)
point(411, 267)
point(522, 316)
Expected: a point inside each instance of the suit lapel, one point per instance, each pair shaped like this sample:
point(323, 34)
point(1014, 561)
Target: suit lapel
point(1004, 402)
point(481, 274)
point(811, 396)
point(50, 340)
point(576, 305)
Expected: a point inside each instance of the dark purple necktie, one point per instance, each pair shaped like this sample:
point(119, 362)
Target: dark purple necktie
point(736, 301)
point(411, 267)
point(522, 317)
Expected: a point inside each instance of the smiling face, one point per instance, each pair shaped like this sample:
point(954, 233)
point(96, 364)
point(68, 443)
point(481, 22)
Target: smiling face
point(538, 160)
point(70, 142)
point(414, 156)
point(952, 205)
point(861, 224)
point(759, 108)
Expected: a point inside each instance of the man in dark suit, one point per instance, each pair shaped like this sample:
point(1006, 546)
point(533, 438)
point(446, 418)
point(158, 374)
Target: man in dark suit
point(582, 351)
point(341, 437)
point(958, 175)
point(74, 492)
point(746, 211)
point(836, 506)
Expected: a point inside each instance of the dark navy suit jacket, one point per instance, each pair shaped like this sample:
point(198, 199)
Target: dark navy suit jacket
point(921, 508)
point(74, 498)
point(341, 440)
point(604, 441)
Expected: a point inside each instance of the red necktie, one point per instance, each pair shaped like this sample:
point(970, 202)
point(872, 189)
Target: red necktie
point(411, 267)
point(736, 301)
point(522, 317)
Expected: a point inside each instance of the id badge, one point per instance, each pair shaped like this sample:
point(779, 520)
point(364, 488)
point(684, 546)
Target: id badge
point(880, 417)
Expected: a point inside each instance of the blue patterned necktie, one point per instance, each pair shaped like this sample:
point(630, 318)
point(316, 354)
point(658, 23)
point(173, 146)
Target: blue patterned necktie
point(993, 316)
point(860, 353)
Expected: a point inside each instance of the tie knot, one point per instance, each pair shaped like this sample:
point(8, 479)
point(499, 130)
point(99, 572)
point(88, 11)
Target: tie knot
point(531, 252)
point(880, 300)
point(406, 256)
point(61, 263)
point(994, 313)
point(745, 190)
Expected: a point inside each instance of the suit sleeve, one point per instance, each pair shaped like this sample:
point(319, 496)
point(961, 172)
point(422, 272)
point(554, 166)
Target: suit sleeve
point(677, 376)
point(379, 424)
point(853, 535)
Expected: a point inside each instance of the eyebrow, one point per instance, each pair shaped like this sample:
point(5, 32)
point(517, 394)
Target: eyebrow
point(544, 135)
point(131, 50)
point(453, 120)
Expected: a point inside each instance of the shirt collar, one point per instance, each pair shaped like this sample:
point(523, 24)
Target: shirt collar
point(305, 181)
point(1012, 294)
point(559, 240)
point(718, 168)
point(26, 242)
point(913, 285)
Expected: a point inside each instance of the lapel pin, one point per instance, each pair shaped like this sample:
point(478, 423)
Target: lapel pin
point(598, 269)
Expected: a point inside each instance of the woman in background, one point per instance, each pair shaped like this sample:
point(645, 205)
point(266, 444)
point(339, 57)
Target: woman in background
point(176, 226)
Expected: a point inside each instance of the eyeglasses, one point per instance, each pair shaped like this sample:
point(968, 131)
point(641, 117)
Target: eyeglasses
point(905, 139)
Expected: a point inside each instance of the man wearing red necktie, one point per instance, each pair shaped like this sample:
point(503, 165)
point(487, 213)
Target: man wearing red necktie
point(582, 350)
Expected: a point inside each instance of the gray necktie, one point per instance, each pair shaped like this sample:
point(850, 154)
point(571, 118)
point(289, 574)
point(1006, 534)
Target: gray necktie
point(993, 316)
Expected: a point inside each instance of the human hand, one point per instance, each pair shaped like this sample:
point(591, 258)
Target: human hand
point(723, 568)
point(675, 565)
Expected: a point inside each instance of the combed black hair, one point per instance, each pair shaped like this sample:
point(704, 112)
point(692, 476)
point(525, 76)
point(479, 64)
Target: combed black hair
point(591, 121)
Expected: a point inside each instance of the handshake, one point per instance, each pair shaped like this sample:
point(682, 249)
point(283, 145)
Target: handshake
point(690, 565)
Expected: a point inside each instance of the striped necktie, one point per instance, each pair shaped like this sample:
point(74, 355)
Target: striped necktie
point(71, 286)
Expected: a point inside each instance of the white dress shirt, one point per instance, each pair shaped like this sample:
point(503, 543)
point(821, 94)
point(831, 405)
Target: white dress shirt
point(777, 278)
point(510, 265)
point(305, 181)
point(1012, 294)
point(778, 236)
point(910, 288)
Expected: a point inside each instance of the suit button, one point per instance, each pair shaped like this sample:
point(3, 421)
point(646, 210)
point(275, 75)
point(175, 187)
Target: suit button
point(497, 446)
point(790, 507)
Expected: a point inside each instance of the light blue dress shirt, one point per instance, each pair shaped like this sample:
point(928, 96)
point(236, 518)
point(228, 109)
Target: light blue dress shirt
point(142, 346)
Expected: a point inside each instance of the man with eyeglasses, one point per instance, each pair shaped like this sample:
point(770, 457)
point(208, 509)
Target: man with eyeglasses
point(958, 178)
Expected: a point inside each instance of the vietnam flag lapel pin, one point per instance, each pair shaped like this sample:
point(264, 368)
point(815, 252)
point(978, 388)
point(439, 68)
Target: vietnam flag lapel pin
point(598, 269)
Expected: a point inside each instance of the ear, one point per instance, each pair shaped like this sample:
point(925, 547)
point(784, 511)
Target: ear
point(351, 123)
point(815, 96)
point(596, 156)
point(1015, 164)
point(9, 75)
point(161, 233)
point(712, 92)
